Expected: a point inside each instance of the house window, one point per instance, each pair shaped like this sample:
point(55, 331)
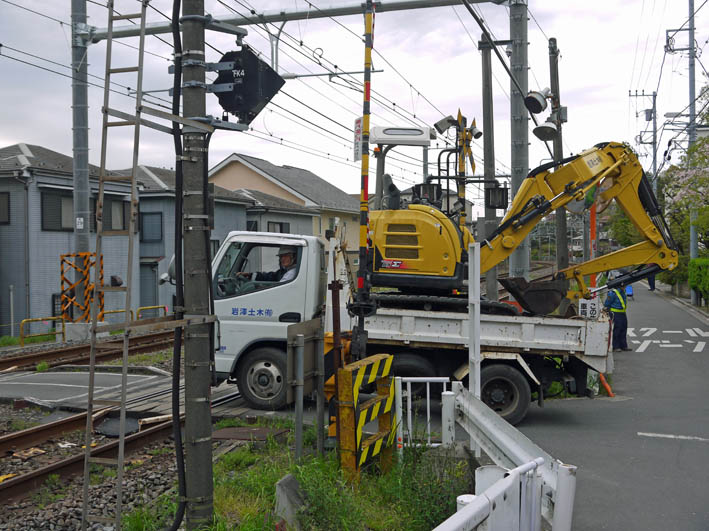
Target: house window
point(4, 208)
point(278, 226)
point(151, 227)
point(252, 225)
point(57, 211)
point(116, 214)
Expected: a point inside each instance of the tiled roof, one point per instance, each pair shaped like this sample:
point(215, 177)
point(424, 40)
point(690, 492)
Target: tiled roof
point(306, 183)
point(17, 156)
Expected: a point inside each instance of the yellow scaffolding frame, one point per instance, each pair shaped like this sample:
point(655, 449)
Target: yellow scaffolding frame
point(81, 262)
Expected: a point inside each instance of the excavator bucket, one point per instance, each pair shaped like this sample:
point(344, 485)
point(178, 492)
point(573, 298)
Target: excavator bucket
point(540, 297)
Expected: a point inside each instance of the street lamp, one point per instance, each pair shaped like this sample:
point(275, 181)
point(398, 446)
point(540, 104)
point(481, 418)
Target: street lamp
point(536, 102)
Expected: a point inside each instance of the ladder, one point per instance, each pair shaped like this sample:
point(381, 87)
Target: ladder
point(113, 118)
point(102, 231)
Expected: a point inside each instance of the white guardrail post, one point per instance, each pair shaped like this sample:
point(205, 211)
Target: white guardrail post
point(448, 418)
point(565, 494)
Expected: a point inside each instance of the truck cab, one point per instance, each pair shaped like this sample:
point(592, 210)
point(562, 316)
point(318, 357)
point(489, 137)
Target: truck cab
point(255, 309)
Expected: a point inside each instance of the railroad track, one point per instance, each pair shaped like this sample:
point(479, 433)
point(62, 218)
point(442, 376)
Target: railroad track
point(105, 350)
point(20, 486)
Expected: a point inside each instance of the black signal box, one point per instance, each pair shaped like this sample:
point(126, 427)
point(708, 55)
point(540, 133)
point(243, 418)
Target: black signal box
point(253, 83)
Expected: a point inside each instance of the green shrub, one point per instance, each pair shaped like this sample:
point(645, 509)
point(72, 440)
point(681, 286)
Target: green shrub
point(698, 273)
point(678, 274)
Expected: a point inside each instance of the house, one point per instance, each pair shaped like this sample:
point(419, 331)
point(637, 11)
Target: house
point(233, 210)
point(239, 171)
point(36, 228)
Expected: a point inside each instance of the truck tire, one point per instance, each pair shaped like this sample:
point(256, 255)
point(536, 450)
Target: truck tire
point(261, 378)
point(414, 365)
point(506, 391)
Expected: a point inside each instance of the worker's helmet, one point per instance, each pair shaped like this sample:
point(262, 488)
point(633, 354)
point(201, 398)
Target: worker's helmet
point(287, 249)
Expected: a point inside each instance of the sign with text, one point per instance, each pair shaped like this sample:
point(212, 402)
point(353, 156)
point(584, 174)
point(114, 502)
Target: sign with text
point(358, 139)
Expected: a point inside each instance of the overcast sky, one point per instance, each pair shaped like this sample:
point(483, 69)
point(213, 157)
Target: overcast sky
point(432, 68)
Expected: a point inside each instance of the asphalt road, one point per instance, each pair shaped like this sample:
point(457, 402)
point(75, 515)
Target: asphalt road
point(643, 457)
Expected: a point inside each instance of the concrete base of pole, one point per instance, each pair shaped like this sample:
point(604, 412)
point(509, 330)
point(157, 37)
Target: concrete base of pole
point(80, 332)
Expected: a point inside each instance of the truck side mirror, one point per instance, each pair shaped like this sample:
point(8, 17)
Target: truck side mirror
point(170, 275)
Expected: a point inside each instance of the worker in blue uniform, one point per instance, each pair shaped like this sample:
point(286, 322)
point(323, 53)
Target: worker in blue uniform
point(617, 304)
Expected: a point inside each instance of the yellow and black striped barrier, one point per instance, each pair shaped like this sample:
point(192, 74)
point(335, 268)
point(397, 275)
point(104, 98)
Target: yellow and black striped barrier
point(355, 450)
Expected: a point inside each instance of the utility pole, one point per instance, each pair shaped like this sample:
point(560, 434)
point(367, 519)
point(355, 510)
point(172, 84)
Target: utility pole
point(693, 246)
point(489, 153)
point(562, 242)
point(519, 259)
point(80, 140)
point(650, 114)
point(198, 418)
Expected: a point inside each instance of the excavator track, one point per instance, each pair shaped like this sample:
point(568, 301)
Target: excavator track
point(431, 303)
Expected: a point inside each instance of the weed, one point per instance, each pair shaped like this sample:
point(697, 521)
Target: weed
point(151, 518)
point(162, 450)
point(99, 474)
point(50, 492)
point(21, 424)
point(42, 366)
point(263, 422)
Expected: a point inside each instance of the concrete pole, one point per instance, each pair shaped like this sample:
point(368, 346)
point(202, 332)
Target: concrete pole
point(693, 244)
point(489, 153)
point(654, 143)
point(198, 426)
point(80, 140)
point(519, 259)
point(562, 242)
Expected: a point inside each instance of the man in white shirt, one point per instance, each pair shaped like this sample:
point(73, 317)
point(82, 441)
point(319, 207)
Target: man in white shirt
point(287, 270)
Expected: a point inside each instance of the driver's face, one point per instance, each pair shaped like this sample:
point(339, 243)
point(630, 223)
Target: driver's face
point(286, 260)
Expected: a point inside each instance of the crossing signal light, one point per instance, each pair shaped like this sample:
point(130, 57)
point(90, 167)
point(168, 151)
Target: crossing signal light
point(253, 83)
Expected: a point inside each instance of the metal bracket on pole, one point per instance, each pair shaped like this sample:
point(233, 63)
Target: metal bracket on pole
point(210, 23)
point(274, 40)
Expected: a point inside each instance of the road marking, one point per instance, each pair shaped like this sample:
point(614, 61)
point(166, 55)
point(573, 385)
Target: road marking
point(643, 346)
point(699, 347)
point(691, 332)
point(701, 332)
point(648, 331)
point(670, 436)
point(673, 331)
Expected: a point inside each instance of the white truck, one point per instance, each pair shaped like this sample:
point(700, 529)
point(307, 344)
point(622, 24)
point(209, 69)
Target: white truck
point(521, 354)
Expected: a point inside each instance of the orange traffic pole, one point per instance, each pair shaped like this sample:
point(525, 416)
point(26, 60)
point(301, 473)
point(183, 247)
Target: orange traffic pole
point(605, 385)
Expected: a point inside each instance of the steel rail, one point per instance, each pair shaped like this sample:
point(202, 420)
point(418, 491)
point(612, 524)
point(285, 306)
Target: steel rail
point(19, 486)
point(78, 353)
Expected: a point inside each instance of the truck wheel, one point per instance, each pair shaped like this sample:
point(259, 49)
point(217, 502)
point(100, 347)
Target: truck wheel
point(261, 378)
point(414, 365)
point(506, 391)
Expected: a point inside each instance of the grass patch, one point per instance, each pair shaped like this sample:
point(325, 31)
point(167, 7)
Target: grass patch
point(162, 450)
point(99, 474)
point(42, 366)
point(263, 422)
point(152, 358)
point(9, 341)
point(50, 492)
point(417, 493)
point(154, 518)
point(21, 424)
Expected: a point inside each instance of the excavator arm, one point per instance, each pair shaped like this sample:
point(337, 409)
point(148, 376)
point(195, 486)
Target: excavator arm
point(609, 171)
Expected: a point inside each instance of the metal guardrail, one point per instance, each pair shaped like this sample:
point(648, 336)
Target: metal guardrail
point(505, 500)
point(107, 312)
point(509, 448)
point(50, 332)
point(158, 307)
point(401, 436)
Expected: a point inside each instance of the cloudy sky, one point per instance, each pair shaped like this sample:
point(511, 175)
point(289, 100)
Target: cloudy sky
point(431, 67)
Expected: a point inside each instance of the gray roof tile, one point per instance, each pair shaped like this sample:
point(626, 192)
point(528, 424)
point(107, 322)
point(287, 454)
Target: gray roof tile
point(318, 190)
point(38, 157)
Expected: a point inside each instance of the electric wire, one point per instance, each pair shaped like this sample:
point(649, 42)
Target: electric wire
point(16, 50)
point(73, 78)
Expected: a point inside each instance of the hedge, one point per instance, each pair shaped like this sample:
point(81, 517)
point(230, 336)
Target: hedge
point(699, 276)
point(677, 275)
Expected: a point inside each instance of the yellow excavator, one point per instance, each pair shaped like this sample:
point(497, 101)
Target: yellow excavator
point(420, 248)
